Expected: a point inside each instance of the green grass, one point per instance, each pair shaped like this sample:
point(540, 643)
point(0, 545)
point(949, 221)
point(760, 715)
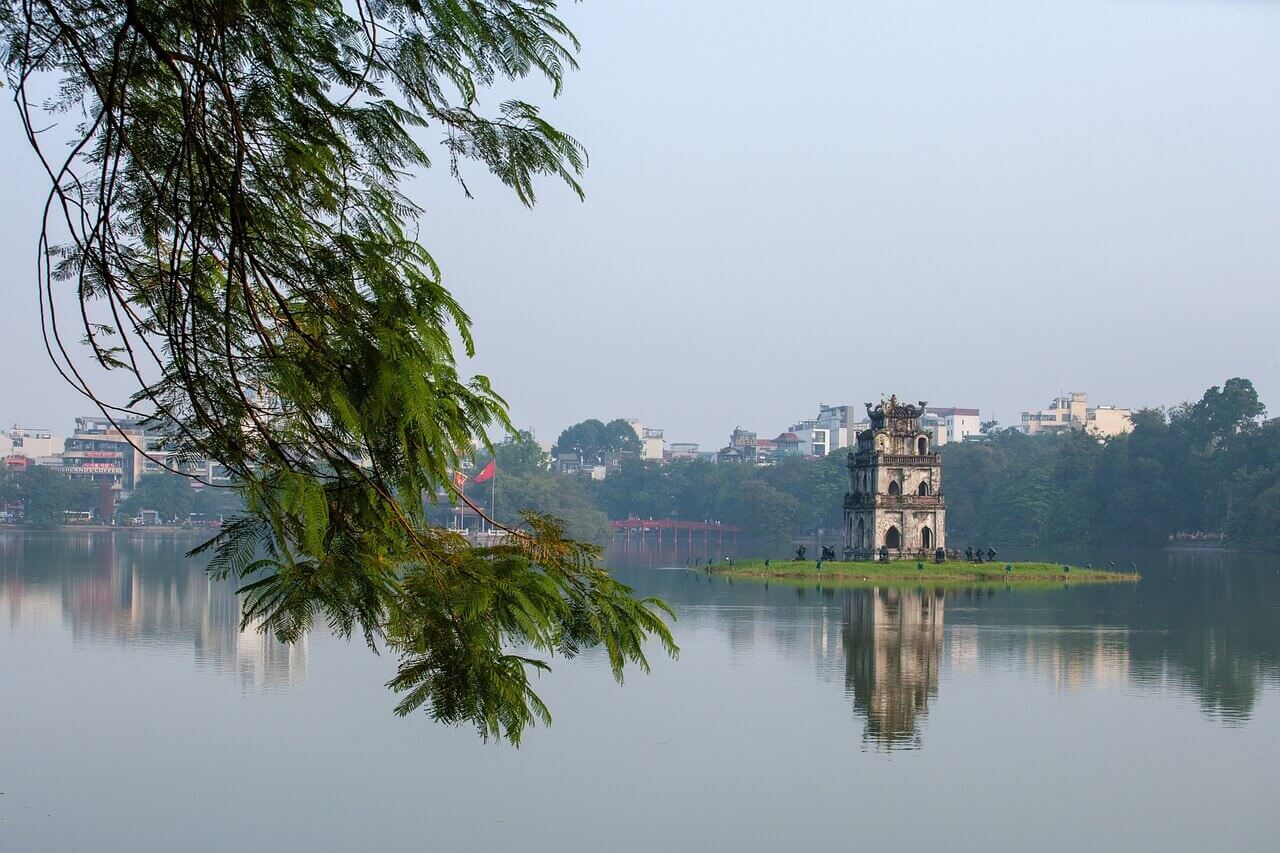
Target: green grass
point(905, 571)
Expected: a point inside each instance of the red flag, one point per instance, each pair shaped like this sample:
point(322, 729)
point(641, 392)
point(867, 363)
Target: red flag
point(488, 472)
point(459, 479)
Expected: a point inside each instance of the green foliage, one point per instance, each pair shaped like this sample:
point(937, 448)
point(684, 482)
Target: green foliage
point(594, 441)
point(1208, 466)
point(797, 495)
point(525, 484)
point(230, 200)
point(175, 498)
point(46, 493)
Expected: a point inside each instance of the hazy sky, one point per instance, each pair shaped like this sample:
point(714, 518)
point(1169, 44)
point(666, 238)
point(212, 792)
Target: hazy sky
point(974, 203)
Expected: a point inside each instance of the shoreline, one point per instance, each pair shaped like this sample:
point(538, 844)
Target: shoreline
point(905, 571)
point(144, 530)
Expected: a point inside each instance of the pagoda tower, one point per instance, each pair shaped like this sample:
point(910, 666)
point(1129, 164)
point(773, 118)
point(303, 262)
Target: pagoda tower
point(894, 505)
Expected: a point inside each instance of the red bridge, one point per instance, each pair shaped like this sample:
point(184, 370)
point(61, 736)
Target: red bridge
point(642, 529)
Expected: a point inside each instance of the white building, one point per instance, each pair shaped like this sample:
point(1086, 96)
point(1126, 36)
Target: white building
point(1072, 411)
point(34, 443)
point(652, 444)
point(819, 440)
point(683, 450)
point(952, 424)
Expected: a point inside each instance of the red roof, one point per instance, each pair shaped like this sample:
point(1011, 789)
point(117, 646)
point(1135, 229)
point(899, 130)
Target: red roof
point(790, 437)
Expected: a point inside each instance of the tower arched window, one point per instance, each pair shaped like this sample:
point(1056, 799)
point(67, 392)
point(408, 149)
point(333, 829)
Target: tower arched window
point(924, 488)
point(922, 445)
point(893, 539)
point(894, 488)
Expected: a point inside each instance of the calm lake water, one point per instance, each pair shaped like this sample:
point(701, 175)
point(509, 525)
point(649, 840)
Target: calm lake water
point(1147, 717)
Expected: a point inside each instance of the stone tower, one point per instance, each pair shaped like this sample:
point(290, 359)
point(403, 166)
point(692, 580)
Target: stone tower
point(895, 487)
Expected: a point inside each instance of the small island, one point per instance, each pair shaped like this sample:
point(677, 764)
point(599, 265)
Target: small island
point(912, 572)
point(895, 521)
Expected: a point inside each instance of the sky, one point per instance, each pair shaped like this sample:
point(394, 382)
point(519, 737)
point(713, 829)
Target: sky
point(979, 204)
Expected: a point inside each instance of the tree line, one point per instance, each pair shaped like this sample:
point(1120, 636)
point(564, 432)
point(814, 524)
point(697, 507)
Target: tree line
point(1210, 467)
point(44, 494)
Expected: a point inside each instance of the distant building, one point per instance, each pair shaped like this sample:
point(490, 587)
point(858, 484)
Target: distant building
point(1073, 411)
point(729, 455)
point(32, 443)
point(817, 439)
point(951, 424)
point(826, 433)
point(787, 444)
point(567, 463)
point(683, 450)
point(105, 453)
point(652, 443)
point(745, 443)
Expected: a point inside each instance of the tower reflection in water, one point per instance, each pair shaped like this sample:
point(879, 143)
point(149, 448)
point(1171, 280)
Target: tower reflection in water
point(892, 644)
point(140, 592)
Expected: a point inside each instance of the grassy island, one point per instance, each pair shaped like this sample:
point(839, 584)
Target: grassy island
point(905, 571)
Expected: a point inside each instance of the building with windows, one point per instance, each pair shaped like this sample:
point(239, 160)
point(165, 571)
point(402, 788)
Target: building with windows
point(652, 443)
point(31, 443)
point(683, 450)
point(951, 423)
point(788, 444)
point(103, 452)
point(894, 507)
point(1072, 411)
point(742, 447)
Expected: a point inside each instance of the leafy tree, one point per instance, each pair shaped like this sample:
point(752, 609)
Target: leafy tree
point(46, 493)
point(595, 440)
point(170, 495)
point(526, 484)
point(231, 208)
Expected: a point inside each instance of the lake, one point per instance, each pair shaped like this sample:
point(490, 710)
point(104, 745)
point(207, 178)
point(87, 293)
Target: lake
point(1130, 717)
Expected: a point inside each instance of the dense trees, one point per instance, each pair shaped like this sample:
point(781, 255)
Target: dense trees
point(795, 496)
point(1210, 466)
point(594, 441)
point(46, 493)
point(524, 482)
point(176, 498)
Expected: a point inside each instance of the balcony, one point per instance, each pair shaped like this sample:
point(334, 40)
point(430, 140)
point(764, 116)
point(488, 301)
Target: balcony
point(864, 459)
point(867, 501)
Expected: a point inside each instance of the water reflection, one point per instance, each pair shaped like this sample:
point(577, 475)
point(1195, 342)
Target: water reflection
point(1204, 627)
point(1198, 626)
point(141, 593)
point(892, 646)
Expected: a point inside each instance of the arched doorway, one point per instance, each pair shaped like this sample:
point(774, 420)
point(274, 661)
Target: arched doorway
point(861, 540)
point(926, 538)
point(893, 539)
point(922, 445)
point(894, 488)
point(924, 488)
